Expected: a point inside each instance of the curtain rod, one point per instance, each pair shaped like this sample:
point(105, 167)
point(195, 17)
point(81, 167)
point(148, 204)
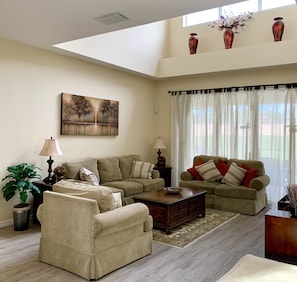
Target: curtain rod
point(236, 88)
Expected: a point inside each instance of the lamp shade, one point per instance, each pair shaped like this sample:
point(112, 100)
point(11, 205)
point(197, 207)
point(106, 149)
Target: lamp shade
point(51, 148)
point(159, 144)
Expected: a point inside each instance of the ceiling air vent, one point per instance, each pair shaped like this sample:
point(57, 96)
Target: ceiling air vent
point(111, 18)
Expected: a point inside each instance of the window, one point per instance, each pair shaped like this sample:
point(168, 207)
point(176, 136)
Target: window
point(239, 8)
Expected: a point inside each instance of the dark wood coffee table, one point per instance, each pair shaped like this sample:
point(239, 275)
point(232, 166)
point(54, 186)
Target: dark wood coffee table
point(171, 210)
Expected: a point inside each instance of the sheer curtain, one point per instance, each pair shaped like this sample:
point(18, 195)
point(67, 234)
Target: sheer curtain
point(245, 124)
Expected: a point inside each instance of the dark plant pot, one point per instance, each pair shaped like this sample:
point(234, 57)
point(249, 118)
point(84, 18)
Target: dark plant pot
point(21, 217)
point(293, 211)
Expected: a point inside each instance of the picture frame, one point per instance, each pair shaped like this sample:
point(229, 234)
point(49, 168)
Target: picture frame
point(81, 115)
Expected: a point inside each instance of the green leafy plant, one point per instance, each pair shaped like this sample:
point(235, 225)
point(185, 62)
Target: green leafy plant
point(20, 177)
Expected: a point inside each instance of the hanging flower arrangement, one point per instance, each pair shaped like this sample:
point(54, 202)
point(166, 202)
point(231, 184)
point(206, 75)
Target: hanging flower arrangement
point(232, 22)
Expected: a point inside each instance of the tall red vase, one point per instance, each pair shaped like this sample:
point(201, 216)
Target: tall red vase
point(278, 28)
point(193, 43)
point(228, 38)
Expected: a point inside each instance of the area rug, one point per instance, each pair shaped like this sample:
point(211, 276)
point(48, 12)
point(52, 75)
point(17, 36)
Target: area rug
point(188, 232)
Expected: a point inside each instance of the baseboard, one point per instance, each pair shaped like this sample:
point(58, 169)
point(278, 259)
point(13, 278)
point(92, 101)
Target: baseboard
point(6, 223)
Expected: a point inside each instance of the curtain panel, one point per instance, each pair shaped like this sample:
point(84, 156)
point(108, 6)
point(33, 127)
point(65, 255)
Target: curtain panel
point(238, 123)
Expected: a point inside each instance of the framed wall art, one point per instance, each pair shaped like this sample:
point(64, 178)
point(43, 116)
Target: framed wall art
point(82, 115)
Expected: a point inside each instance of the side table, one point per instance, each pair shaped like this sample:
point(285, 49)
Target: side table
point(165, 173)
point(281, 236)
point(38, 199)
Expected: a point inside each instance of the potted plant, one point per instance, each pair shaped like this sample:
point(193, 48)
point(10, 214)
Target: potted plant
point(20, 177)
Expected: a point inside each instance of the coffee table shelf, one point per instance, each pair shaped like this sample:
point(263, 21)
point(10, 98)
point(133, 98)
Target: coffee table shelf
point(171, 210)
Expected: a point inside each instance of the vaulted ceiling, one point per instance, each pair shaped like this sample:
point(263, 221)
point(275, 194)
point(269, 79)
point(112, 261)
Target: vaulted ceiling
point(45, 23)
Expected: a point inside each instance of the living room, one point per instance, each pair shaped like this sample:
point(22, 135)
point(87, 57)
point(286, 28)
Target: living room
point(33, 79)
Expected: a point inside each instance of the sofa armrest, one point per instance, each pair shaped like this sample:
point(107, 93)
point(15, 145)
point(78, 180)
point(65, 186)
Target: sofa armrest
point(259, 182)
point(155, 174)
point(120, 219)
point(185, 175)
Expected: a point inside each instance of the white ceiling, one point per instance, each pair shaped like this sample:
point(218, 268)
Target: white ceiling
point(42, 23)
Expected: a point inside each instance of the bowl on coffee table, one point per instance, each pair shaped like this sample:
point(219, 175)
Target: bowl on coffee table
point(173, 190)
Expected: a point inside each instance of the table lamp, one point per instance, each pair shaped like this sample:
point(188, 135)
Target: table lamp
point(159, 144)
point(50, 148)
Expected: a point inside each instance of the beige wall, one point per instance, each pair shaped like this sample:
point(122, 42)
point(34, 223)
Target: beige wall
point(31, 83)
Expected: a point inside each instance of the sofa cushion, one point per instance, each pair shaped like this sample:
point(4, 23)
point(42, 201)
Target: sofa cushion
point(235, 175)
point(101, 194)
point(88, 176)
point(129, 187)
point(72, 168)
point(141, 170)
point(209, 171)
point(236, 192)
point(193, 170)
point(149, 184)
point(126, 164)
point(109, 169)
point(251, 173)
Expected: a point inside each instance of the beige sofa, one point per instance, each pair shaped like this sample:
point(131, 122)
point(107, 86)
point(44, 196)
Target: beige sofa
point(115, 172)
point(78, 237)
point(235, 198)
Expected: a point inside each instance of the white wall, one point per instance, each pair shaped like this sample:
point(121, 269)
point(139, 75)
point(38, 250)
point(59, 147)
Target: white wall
point(31, 83)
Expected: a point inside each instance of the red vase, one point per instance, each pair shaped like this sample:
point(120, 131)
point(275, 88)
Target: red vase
point(193, 43)
point(278, 28)
point(228, 38)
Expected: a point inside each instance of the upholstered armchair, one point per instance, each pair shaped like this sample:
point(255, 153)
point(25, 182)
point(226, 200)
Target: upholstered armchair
point(77, 237)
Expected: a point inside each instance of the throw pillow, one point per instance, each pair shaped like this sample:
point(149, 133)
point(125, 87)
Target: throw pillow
point(118, 199)
point(141, 170)
point(89, 176)
point(222, 167)
point(235, 175)
point(103, 195)
point(209, 171)
point(194, 172)
point(250, 174)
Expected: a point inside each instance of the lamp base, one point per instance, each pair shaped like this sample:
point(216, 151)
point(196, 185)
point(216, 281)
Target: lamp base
point(51, 179)
point(161, 162)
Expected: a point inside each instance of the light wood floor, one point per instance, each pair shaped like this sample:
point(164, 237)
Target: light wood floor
point(204, 260)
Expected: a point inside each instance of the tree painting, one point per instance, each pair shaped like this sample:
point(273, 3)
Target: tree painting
point(88, 116)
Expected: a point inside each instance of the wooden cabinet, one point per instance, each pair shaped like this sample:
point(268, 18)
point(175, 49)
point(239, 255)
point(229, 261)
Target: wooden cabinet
point(165, 173)
point(280, 236)
point(38, 199)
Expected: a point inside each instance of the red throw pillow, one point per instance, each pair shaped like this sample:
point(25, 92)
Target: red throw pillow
point(194, 172)
point(251, 173)
point(222, 167)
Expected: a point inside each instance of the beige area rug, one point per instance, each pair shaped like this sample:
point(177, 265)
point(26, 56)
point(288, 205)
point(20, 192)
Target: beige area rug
point(188, 232)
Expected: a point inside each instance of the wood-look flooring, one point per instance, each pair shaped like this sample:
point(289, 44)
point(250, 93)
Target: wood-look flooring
point(205, 260)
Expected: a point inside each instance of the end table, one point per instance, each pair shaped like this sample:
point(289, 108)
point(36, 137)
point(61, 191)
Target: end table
point(38, 199)
point(165, 173)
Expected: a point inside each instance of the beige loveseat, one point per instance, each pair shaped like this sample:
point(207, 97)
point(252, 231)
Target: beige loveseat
point(235, 198)
point(77, 236)
point(116, 173)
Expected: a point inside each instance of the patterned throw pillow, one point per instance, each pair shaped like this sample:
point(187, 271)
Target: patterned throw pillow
point(141, 170)
point(235, 175)
point(89, 176)
point(209, 171)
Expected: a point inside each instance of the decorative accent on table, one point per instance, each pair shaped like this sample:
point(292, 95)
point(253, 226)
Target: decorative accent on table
point(278, 28)
point(292, 196)
point(193, 43)
point(229, 23)
point(159, 144)
point(173, 190)
point(59, 172)
point(89, 116)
